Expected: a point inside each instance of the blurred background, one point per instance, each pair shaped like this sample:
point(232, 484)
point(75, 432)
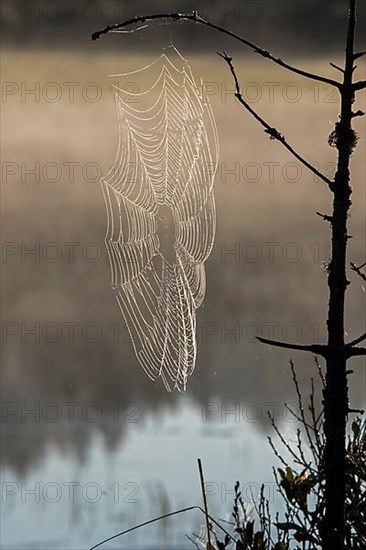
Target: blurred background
point(90, 446)
point(311, 26)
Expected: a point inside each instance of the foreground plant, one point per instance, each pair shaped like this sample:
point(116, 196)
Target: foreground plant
point(301, 483)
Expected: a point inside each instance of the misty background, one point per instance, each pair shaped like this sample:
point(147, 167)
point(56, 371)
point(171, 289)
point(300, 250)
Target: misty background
point(156, 438)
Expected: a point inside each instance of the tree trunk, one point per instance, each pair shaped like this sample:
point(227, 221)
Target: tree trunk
point(336, 390)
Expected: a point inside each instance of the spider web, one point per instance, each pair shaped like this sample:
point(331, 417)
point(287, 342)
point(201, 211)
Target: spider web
point(161, 213)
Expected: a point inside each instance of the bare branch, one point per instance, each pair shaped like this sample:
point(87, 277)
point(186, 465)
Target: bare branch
point(272, 132)
point(302, 412)
point(357, 340)
point(356, 411)
point(358, 270)
point(358, 113)
point(318, 349)
point(336, 67)
point(198, 19)
point(281, 438)
point(313, 348)
point(360, 85)
point(315, 420)
point(358, 54)
point(320, 372)
point(325, 217)
point(277, 454)
point(356, 352)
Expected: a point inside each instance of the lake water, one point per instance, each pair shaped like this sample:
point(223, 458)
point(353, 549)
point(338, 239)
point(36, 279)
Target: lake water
point(90, 446)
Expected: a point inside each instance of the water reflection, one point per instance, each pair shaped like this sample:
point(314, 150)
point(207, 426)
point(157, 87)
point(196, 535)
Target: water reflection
point(152, 473)
point(62, 394)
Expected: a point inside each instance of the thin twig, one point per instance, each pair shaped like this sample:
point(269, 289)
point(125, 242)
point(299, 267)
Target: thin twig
point(315, 419)
point(313, 348)
point(320, 372)
point(357, 340)
point(282, 439)
point(202, 480)
point(311, 444)
point(358, 269)
point(144, 524)
point(336, 67)
point(276, 453)
point(297, 417)
point(272, 132)
point(304, 462)
point(150, 521)
point(302, 413)
point(325, 217)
